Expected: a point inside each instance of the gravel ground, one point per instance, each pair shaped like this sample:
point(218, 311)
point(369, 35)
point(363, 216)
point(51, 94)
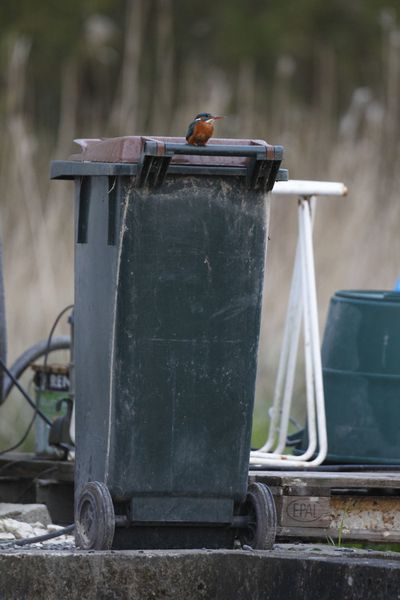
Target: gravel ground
point(50, 546)
point(12, 530)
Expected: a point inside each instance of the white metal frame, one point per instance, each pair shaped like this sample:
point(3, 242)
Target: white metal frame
point(302, 306)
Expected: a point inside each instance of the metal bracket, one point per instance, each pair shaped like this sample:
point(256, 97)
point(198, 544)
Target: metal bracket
point(153, 164)
point(260, 173)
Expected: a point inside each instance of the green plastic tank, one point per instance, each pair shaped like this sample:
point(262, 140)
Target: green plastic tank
point(361, 371)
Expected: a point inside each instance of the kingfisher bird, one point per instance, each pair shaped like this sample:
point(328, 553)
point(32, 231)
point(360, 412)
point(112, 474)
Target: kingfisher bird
point(201, 129)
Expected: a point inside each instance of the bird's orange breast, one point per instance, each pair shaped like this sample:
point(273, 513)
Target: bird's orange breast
point(201, 133)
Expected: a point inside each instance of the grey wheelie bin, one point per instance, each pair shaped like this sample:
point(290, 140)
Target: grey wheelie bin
point(169, 263)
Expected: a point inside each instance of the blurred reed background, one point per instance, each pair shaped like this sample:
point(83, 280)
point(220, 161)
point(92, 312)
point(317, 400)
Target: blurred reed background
point(322, 79)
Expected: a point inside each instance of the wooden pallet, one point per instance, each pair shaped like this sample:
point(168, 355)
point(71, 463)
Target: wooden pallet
point(25, 478)
point(311, 505)
point(322, 505)
point(23, 465)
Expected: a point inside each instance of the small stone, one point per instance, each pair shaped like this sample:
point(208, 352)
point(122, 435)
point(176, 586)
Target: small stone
point(51, 527)
point(6, 536)
point(26, 513)
point(20, 530)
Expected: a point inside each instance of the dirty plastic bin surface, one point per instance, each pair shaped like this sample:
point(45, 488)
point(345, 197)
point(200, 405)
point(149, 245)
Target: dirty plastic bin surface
point(361, 369)
point(169, 265)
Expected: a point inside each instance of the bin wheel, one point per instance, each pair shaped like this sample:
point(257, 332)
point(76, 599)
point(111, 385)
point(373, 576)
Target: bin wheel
point(94, 518)
point(259, 506)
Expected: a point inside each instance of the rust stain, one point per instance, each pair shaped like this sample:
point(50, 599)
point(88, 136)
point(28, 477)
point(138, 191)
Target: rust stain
point(363, 513)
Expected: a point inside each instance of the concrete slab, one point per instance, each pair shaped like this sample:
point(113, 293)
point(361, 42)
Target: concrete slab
point(26, 513)
point(288, 572)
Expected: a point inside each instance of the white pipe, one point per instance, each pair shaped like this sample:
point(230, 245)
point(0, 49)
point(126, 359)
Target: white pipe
point(315, 345)
point(265, 459)
point(287, 362)
point(289, 381)
point(309, 372)
point(302, 301)
point(305, 188)
point(309, 365)
point(291, 320)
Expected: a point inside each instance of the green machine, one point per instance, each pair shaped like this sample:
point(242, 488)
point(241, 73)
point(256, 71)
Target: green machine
point(52, 387)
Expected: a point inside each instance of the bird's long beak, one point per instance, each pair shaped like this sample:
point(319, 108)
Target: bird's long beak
point(211, 119)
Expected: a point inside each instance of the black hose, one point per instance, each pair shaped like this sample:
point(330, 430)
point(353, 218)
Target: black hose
point(39, 538)
point(52, 330)
point(62, 342)
point(25, 394)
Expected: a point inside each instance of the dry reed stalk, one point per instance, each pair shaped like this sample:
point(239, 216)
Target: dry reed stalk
point(22, 150)
point(162, 104)
point(356, 238)
point(124, 113)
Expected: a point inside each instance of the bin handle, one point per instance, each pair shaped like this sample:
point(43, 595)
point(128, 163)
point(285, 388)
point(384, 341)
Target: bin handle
point(262, 168)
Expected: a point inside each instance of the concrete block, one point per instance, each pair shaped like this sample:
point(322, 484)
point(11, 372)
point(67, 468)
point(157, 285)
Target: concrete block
point(26, 513)
point(280, 574)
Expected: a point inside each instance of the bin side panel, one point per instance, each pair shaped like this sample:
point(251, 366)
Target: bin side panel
point(187, 328)
point(95, 285)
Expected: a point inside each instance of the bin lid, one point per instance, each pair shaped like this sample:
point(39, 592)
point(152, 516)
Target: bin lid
point(150, 158)
point(128, 149)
